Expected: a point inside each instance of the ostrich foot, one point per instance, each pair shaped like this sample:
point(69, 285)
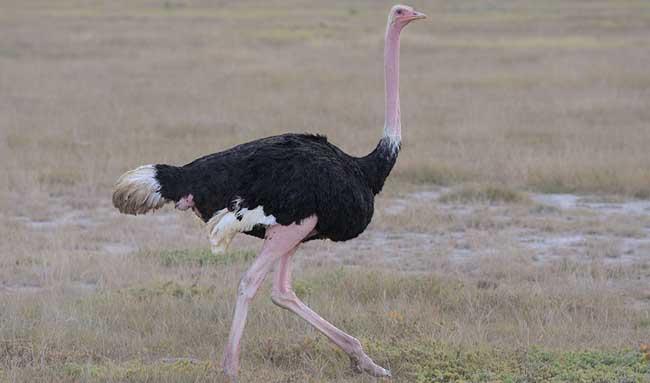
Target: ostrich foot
point(365, 364)
point(229, 378)
point(229, 372)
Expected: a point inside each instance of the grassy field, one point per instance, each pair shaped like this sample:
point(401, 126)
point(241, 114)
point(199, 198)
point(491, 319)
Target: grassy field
point(475, 269)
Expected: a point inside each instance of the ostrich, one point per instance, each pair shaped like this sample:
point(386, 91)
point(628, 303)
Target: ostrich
point(285, 189)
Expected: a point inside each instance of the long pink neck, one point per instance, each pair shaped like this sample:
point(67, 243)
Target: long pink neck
point(392, 124)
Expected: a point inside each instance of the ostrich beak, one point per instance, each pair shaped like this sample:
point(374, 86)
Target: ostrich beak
point(418, 15)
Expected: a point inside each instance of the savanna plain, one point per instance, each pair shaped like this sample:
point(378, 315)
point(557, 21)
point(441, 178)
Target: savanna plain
point(511, 243)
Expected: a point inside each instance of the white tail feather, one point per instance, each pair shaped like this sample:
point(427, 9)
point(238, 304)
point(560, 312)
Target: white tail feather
point(138, 191)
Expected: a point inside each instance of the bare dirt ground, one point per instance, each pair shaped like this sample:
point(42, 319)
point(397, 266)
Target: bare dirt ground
point(541, 229)
point(511, 242)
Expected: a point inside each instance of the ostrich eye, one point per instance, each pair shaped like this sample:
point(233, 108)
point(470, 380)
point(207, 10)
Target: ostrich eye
point(399, 12)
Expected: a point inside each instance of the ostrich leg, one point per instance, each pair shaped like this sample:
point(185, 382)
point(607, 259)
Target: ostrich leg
point(283, 296)
point(279, 241)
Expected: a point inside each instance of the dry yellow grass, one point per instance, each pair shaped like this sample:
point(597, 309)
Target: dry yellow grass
point(501, 97)
point(551, 97)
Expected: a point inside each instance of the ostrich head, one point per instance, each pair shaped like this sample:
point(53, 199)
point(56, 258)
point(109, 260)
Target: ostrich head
point(401, 15)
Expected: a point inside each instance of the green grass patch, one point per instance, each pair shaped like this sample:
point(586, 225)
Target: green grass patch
point(420, 362)
point(199, 257)
point(585, 366)
point(434, 362)
point(437, 362)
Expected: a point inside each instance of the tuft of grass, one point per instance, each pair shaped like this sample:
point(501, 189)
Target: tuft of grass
point(484, 193)
point(644, 323)
point(302, 288)
point(59, 177)
point(585, 366)
point(438, 174)
point(169, 288)
point(544, 209)
point(138, 371)
point(643, 193)
point(550, 183)
point(198, 257)
point(439, 362)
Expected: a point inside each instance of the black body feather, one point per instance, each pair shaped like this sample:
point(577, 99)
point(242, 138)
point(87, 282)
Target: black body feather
point(292, 176)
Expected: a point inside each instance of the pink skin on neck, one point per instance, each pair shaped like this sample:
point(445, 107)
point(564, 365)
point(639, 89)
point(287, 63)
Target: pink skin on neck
point(392, 124)
point(398, 18)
